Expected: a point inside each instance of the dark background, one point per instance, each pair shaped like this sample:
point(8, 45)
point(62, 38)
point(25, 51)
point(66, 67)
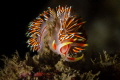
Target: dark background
point(102, 27)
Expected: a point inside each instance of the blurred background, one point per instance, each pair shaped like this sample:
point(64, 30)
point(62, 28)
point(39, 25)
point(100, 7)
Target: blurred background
point(102, 23)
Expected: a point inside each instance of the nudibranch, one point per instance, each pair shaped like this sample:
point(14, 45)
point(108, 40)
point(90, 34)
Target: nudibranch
point(65, 30)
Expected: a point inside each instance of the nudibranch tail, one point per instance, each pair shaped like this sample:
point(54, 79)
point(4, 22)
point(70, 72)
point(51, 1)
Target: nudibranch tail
point(65, 32)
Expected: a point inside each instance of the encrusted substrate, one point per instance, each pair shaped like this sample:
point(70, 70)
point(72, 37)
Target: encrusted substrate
point(42, 68)
point(37, 68)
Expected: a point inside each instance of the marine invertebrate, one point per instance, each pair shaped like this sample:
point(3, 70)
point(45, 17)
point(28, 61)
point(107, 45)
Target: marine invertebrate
point(64, 30)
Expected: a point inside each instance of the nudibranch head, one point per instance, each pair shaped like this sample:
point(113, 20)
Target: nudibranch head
point(66, 34)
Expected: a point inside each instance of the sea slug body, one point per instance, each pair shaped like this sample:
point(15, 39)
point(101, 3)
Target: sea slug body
point(67, 35)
